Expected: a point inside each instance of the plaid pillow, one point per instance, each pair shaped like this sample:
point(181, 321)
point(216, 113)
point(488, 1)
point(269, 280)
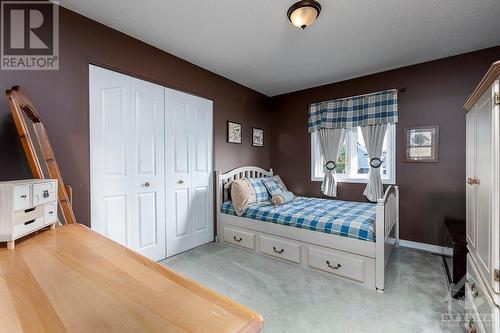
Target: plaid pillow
point(260, 189)
point(272, 185)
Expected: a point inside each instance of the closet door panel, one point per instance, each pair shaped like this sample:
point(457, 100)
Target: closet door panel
point(148, 179)
point(148, 231)
point(470, 189)
point(484, 171)
point(201, 171)
point(115, 217)
point(109, 154)
point(189, 171)
point(127, 161)
point(181, 213)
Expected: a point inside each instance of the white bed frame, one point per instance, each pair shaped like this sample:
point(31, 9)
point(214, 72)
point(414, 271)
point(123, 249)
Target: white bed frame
point(359, 260)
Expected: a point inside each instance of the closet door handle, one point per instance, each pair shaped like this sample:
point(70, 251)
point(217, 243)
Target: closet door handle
point(473, 181)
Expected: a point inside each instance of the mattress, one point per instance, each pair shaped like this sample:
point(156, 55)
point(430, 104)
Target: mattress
point(342, 218)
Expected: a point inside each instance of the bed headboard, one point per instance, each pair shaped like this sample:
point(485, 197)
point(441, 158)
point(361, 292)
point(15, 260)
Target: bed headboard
point(243, 172)
point(221, 179)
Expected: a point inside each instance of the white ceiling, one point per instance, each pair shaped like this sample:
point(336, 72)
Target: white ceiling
point(253, 43)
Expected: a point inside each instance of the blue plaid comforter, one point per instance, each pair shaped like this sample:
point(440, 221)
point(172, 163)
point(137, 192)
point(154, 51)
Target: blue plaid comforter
point(343, 218)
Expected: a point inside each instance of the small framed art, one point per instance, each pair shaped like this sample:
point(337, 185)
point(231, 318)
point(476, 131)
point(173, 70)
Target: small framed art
point(233, 132)
point(421, 144)
point(257, 137)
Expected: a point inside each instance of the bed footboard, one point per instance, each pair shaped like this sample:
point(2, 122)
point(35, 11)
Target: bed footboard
point(387, 232)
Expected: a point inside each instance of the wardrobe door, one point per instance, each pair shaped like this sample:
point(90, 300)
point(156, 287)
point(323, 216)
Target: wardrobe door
point(495, 220)
point(484, 171)
point(470, 173)
point(189, 171)
point(127, 161)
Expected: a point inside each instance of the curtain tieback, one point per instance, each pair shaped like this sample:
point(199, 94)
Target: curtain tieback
point(330, 165)
point(375, 162)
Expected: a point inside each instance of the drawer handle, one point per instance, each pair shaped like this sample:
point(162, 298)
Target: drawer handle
point(278, 251)
point(237, 239)
point(29, 222)
point(473, 290)
point(45, 194)
point(333, 267)
point(23, 196)
point(51, 212)
point(471, 328)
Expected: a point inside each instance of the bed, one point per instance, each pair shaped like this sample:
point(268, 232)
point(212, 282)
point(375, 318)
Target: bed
point(352, 240)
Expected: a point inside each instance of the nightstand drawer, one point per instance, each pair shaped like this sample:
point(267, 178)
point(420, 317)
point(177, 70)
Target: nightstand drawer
point(28, 227)
point(43, 193)
point(50, 213)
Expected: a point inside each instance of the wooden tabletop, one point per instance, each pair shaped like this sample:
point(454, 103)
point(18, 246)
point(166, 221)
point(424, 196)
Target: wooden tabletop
point(71, 279)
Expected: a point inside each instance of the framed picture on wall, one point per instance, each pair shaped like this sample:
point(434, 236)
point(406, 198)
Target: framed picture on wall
point(233, 132)
point(421, 144)
point(257, 137)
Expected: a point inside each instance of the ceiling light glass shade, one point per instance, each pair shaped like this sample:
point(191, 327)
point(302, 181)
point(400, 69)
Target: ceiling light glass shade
point(303, 13)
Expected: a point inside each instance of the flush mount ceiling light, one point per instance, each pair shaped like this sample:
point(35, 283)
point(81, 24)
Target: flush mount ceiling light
point(303, 13)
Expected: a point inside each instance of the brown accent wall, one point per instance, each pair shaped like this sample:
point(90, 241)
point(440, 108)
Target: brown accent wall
point(435, 93)
point(62, 99)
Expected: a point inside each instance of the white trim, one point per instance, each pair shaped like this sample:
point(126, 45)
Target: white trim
point(422, 246)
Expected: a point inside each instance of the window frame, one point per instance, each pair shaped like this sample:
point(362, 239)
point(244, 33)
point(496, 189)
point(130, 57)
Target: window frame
point(317, 176)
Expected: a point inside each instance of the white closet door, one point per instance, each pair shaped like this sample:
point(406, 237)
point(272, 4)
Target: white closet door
point(189, 171)
point(148, 167)
point(127, 161)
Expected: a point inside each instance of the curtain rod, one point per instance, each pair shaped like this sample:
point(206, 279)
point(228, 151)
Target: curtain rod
point(399, 90)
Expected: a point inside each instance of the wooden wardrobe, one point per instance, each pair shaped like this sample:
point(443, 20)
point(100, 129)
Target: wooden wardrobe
point(482, 298)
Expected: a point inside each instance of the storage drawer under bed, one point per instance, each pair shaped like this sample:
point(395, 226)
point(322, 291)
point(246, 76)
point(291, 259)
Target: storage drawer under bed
point(339, 263)
point(280, 248)
point(239, 237)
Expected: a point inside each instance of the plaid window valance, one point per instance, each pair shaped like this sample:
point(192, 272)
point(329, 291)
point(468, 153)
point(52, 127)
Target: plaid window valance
point(371, 109)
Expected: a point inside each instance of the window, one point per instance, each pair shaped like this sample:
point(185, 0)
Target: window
point(353, 163)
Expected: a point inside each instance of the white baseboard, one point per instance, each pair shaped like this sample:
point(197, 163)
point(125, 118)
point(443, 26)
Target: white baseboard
point(422, 246)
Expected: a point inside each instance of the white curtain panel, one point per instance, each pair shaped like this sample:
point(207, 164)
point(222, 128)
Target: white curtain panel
point(331, 140)
point(374, 140)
